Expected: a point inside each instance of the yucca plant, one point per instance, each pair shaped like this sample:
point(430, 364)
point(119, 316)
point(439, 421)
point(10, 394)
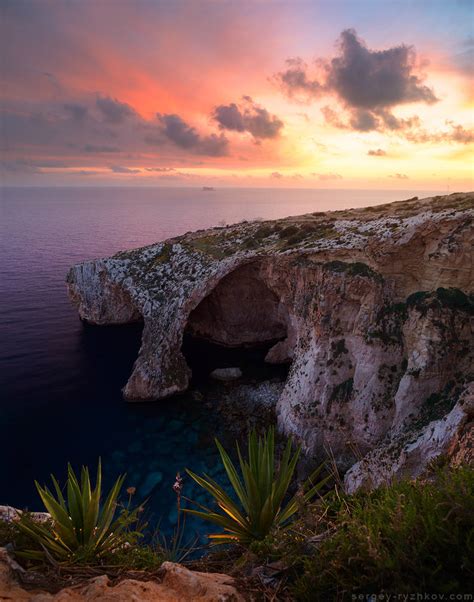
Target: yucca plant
point(261, 489)
point(82, 528)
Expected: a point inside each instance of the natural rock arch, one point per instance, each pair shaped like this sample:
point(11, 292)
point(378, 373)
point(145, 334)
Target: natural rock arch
point(242, 312)
point(379, 322)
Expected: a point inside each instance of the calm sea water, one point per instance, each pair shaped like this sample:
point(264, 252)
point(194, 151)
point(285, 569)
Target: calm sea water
point(60, 382)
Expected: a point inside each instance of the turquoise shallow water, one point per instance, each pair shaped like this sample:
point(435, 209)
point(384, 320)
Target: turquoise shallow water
point(60, 381)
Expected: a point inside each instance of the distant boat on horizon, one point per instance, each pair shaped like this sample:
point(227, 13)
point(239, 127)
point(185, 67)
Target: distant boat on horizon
point(207, 188)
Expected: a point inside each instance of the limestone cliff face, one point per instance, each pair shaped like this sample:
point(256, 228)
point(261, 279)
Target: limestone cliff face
point(372, 307)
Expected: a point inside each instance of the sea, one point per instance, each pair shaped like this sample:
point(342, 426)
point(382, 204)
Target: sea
point(60, 381)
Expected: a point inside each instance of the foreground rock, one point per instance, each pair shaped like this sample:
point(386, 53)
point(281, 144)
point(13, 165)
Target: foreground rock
point(177, 584)
point(10, 514)
point(373, 308)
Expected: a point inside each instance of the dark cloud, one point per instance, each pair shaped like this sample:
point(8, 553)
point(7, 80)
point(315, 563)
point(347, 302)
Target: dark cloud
point(26, 166)
point(59, 129)
point(175, 129)
point(332, 117)
point(229, 117)
point(178, 131)
point(363, 121)
point(113, 110)
point(390, 122)
point(368, 84)
point(460, 134)
point(456, 134)
point(155, 139)
point(368, 121)
point(261, 124)
point(84, 172)
point(53, 80)
point(277, 175)
point(399, 176)
point(97, 148)
point(76, 111)
point(371, 79)
point(294, 80)
point(51, 129)
point(21, 128)
point(248, 117)
point(122, 169)
point(214, 145)
point(51, 163)
point(377, 153)
point(19, 166)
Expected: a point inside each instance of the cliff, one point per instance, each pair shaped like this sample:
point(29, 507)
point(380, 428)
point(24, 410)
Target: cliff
point(372, 307)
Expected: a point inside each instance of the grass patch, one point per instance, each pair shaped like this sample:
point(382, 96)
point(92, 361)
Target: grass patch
point(411, 536)
point(163, 256)
point(292, 235)
point(455, 201)
point(353, 269)
point(11, 534)
point(404, 538)
point(208, 245)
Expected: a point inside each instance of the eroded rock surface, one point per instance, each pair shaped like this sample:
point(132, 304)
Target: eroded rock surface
point(373, 307)
point(177, 584)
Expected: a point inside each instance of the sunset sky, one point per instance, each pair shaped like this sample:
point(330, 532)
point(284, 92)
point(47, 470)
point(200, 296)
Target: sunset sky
point(326, 94)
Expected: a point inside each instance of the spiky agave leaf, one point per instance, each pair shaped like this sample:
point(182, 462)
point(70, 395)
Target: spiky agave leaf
point(82, 528)
point(260, 487)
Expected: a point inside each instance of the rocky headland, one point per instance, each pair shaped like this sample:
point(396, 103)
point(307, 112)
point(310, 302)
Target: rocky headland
point(372, 309)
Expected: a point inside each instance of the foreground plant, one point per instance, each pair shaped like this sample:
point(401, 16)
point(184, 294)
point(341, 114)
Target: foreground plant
point(174, 548)
point(404, 537)
point(261, 489)
point(82, 528)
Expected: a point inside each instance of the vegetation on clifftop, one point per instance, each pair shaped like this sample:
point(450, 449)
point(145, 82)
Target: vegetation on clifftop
point(407, 537)
point(410, 536)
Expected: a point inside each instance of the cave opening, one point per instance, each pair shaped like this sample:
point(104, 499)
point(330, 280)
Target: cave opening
point(241, 324)
point(203, 357)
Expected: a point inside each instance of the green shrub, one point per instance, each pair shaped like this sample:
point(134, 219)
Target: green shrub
point(260, 488)
point(82, 528)
point(452, 298)
point(353, 269)
point(288, 231)
point(10, 534)
point(143, 557)
point(408, 537)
